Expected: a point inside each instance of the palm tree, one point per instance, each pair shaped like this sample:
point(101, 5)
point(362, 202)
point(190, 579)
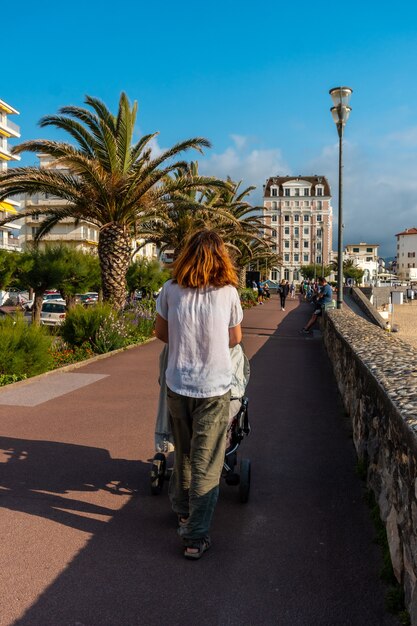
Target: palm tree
point(105, 179)
point(192, 206)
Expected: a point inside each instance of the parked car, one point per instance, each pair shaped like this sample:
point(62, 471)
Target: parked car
point(89, 298)
point(53, 312)
point(53, 296)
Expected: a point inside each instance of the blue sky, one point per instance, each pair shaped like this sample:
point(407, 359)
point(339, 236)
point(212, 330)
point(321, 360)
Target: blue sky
point(252, 78)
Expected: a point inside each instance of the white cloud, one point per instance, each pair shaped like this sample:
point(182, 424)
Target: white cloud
point(240, 162)
point(379, 194)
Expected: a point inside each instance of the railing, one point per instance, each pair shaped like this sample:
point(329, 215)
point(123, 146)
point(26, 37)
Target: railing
point(62, 237)
point(8, 125)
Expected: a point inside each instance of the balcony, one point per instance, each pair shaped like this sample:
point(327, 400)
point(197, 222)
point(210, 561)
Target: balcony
point(6, 155)
point(62, 237)
point(40, 200)
point(9, 129)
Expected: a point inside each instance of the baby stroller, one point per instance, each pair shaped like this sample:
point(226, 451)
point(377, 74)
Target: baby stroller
point(237, 429)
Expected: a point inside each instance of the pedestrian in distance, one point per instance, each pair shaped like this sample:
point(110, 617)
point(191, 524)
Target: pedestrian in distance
point(283, 292)
point(260, 293)
point(292, 291)
point(199, 316)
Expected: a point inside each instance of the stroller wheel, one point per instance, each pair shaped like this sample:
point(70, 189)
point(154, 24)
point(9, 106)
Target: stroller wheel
point(158, 473)
point(244, 484)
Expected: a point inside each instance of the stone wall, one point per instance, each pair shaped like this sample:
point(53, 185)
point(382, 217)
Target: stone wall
point(377, 377)
point(362, 300)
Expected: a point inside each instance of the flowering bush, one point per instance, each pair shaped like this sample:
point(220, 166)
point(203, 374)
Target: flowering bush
point(141, 319)
point(62, 354)
point(113, 333)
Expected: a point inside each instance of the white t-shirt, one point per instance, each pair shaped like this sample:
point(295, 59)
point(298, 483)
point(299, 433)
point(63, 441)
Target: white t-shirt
point(199, 363)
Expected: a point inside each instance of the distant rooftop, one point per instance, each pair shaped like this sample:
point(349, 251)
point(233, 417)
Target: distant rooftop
point(408, 231)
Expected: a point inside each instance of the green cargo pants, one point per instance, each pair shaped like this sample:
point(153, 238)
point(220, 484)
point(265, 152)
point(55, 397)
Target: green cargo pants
point(199, 427)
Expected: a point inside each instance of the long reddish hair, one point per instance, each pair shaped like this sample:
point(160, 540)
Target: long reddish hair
point(204, 261)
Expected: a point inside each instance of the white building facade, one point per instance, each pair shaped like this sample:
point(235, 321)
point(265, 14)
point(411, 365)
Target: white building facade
point(8, 130)
point(407, 254)
point(300, 214)
point(364, 257)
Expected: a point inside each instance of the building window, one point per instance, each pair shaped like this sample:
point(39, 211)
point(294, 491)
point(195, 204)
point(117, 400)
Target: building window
point(305, 244)
point(296, 192)
point(274, 218)
point(274, 191)
point(369, 249)
point(274, 233)
point(305, 258)
point(306, 191)
point(273, 248)
point(35, 230)
point(274, 205)
point(319, 259)
point(296, 231)
point(319, 191)
point(287, 258)
point(296, 244)
point(287, 230)
point(286, 244)
point(296, 258)
point(274, 275)
point(318, 245)
point(355, 249)
point(287, 192)
point(297, 203)
point(286, 218)
point(319, 218)
point(306, 218)
point(369, 258)
point(306, 202)
point(296, 218)
point(319, 205)
point(306, 230)
point(319, 232)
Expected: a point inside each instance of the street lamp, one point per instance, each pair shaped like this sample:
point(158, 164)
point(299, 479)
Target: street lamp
point(340, 112)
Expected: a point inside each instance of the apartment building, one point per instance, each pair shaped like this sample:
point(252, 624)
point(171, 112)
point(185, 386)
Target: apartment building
point(300, 214)
point(365, 257)
point(407, 254)
point(82, 235)
point(8, 130)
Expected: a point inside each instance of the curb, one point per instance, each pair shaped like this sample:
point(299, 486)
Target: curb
point(74, 366)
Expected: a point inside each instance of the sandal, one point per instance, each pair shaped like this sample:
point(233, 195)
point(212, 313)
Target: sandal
point(201, 545)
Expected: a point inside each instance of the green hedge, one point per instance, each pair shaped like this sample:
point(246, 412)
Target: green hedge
point(24, 349)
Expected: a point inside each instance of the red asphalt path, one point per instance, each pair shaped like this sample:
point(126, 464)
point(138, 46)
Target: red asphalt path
point(85, 544)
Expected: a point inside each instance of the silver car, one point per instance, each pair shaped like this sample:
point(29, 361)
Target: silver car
point(53, 312)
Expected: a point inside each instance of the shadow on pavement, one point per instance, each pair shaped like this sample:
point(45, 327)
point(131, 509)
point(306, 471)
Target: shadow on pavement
point(300, 553)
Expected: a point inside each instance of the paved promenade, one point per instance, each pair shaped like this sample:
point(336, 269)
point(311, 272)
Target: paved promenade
point(85, 544)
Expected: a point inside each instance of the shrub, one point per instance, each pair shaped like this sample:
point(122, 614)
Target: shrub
point(141, 319)
point(82, 324)
point(248, 298)
point(24, 349)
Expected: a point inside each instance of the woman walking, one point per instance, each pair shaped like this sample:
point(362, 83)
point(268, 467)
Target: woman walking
point(283, 293)
point(199, 316)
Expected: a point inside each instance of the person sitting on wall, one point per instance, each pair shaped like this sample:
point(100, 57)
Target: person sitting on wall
point(325, 296)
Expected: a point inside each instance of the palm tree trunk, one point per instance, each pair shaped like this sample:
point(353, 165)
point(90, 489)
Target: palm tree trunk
point(242, 277)
point(37, 307)
point(114, 250)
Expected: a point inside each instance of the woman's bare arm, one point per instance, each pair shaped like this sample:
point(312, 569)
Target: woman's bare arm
point(235, 335)
point(161, 328)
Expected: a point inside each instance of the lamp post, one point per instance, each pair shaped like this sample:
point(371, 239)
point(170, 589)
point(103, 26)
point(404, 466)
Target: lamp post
point(340, 112)
point(322, 250)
